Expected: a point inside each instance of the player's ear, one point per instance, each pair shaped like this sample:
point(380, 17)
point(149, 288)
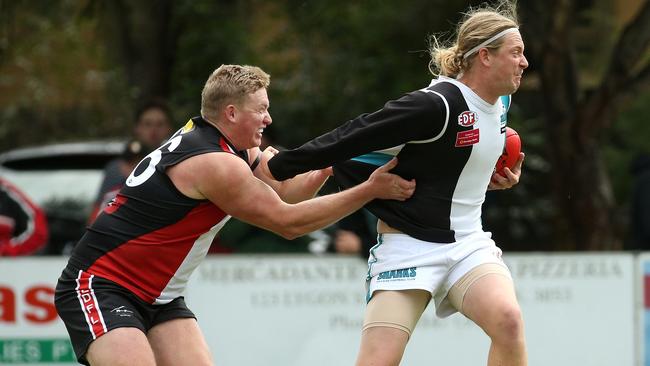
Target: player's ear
point(483, 56)
point(230, 112)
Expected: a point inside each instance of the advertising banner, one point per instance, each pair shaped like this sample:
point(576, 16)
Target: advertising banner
point(30, 330)
point(579, 309)
point(643, 306)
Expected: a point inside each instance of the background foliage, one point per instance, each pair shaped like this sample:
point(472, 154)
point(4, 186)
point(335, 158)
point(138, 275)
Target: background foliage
point(75, 69)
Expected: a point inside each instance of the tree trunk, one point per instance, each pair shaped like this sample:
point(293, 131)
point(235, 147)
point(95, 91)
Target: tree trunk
point(583, 192)
point(140, 36)
point(575, 119)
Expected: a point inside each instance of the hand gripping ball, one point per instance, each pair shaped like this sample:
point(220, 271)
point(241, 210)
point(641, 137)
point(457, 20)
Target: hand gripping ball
point(511, 150)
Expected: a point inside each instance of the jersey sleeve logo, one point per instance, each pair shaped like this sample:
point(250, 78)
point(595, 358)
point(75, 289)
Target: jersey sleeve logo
point(467, 118)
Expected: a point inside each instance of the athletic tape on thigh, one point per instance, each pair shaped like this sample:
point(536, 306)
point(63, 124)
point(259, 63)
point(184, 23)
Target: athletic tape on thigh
point(380, 311)
point(457, 292)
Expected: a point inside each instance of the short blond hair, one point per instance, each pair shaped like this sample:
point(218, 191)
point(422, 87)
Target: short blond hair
point(230, 84)
point(477, 26)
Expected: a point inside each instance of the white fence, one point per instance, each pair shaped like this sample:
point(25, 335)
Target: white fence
point(580, 309)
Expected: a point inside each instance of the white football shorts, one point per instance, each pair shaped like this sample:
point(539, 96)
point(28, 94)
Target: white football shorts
point(401, 262)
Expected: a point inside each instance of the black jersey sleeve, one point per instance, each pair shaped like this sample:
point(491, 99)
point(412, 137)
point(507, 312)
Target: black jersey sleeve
point(415, 116)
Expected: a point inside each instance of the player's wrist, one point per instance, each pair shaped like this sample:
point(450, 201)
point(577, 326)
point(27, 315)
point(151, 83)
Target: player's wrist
point(369, 190)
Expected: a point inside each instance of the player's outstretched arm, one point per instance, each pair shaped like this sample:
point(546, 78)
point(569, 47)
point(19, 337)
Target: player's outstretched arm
point(228, 182)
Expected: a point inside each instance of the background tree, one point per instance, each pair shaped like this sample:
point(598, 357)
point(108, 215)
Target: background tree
point(56, 83)
point(73, 70)
point(578, 111)
point(141, 38)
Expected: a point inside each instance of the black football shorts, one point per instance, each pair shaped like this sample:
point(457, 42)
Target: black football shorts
point(90, 306)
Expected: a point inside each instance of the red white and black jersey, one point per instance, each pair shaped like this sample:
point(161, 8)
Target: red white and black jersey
point(445, 136)
point(151, 237)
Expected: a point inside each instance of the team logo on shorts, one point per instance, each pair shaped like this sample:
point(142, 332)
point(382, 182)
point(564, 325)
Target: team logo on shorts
point(122, 311)
point(467, 118)
point(403, 274)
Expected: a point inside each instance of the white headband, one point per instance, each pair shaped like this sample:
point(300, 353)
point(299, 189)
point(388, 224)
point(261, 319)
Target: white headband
point(489, 40)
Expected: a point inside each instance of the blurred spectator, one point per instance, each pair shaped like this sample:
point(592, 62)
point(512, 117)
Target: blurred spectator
point(23, 225)
point(153, 125)
point(355, 234)
point(115, 175)
point(640, 220)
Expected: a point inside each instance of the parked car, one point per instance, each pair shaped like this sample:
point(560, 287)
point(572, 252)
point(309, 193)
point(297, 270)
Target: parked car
point(63, 179)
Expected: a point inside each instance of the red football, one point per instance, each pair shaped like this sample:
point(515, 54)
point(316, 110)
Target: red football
point(511, 151)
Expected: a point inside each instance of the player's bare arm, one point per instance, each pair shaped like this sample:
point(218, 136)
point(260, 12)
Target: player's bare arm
point(227, 181)
point(301, 187)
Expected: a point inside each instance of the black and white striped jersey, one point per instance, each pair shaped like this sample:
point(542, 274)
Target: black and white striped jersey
point(445, 136)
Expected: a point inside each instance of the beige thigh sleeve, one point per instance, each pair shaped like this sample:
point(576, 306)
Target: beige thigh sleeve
point(396, 309)
point(458, 290)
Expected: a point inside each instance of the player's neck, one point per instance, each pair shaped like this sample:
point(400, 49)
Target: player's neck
point(222, 130)
point(480, 86)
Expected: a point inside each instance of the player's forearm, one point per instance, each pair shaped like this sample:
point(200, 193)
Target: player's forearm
point(320, 212)
point(302, 187)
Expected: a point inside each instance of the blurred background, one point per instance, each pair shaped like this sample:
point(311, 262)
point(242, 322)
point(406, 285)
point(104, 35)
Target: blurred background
point(76, 71)
point(85, 84)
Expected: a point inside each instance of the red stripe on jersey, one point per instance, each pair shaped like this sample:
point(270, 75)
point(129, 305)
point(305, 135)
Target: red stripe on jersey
point(89, 304)
point(224, 145)
point(146, 264)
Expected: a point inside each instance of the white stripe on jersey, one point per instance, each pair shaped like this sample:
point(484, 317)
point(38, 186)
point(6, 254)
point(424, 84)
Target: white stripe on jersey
point(178, 282)
point(469, 193)
point(444, 127)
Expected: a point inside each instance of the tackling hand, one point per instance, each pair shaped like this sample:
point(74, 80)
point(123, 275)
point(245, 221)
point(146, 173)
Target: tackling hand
point(391, 186)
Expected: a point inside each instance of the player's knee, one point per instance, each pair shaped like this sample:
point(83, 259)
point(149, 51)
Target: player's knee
point(382, 346)
point(509, 325)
